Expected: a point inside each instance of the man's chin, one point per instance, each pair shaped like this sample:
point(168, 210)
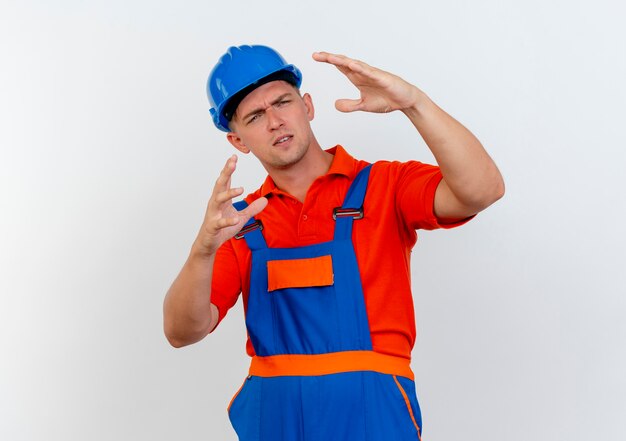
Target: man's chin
point(286, 162)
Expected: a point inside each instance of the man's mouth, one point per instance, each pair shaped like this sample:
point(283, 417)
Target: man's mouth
point(283, 139)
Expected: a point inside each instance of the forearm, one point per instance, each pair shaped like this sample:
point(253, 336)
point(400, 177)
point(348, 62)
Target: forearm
point(468, 171)
point(471, 180)
point(187, 315)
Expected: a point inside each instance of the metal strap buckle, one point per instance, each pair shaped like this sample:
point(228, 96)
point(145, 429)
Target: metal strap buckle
point(355, 213)
point(253, 226)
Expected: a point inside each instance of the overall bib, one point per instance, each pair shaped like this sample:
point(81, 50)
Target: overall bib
point(315, 376)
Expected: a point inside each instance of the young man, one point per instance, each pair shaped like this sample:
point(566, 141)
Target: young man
point(321, 251)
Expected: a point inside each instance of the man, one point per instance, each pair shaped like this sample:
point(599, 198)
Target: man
point(321, 251)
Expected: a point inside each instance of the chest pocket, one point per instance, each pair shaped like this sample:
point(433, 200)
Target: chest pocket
point(300, 273)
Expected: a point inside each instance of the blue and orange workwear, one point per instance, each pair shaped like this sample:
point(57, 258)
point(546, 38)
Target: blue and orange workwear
point(317, 371)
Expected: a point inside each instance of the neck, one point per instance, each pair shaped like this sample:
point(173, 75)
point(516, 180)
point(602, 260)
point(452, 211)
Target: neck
point(297, 179)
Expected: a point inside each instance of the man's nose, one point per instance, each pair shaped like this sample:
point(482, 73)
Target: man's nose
point(274, 121)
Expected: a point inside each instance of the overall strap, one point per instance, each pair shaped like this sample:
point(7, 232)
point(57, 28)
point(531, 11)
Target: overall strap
point(251, 231)
point(352, 207)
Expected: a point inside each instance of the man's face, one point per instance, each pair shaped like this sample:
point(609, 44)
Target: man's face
point(273, 122)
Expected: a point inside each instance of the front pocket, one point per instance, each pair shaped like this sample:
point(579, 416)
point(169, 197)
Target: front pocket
point(408, 406)
point(299, 273)
point(244, 410)
point(232, 400)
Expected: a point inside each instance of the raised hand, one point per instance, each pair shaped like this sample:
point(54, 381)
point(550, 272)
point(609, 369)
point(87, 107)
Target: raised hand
point(222, 221)
point(381, 91)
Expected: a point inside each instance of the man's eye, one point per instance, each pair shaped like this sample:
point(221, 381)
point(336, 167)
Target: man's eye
point(283, 102)
point(253, 118)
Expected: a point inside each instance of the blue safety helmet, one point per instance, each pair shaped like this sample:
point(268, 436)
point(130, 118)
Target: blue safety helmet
point(238, 72)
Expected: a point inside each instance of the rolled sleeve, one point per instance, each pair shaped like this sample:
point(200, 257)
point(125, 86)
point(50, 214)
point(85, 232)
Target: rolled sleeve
point(417, 185)
point(226, 281)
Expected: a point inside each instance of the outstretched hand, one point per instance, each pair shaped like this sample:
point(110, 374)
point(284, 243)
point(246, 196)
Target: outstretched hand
point(381, 91)
point(222, 221)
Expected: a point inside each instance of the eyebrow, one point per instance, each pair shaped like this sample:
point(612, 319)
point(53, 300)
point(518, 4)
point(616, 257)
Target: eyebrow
point(261, 109)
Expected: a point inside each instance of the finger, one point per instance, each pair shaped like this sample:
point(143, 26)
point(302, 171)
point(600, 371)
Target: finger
point(227, 195)
point(327, 57)
point(320, 56)
point(340, 61)
point(357, 71)
point(223, 180)
point(255, 207)
point(226, 222)
point(345, 105)
point(242, 216)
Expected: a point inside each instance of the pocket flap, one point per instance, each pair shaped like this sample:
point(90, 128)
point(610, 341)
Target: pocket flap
point(299, 273)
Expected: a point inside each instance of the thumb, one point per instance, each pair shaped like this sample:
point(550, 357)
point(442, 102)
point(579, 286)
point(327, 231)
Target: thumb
point(345, 105)
point(255, 207)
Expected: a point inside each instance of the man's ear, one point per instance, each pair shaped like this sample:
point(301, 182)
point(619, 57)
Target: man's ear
point(310, 109)
point(236, 141)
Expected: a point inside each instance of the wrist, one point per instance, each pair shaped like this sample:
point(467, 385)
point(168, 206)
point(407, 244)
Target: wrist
point(200, 252)
point(419, 101)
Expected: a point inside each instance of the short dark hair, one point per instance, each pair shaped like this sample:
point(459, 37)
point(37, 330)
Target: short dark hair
point(231, 105)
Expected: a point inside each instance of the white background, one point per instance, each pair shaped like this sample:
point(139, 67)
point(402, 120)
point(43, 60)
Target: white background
point(108, 156)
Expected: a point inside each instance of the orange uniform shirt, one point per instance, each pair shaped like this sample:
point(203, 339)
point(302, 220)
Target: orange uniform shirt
point(399, 200)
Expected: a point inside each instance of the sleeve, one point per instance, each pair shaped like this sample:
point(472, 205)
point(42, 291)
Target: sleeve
point(415, 196)
point(226, 282)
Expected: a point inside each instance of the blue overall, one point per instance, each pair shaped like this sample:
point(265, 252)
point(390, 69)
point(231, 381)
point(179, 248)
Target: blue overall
point(318, 321)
